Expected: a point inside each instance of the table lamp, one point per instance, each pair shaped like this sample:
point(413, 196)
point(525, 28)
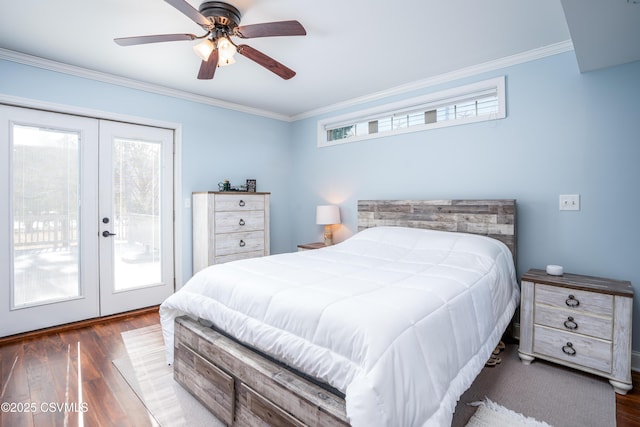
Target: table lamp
point(327, 215)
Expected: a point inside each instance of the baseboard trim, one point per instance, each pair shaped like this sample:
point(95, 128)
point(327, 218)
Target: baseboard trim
point(75, 325)
point(635, 361)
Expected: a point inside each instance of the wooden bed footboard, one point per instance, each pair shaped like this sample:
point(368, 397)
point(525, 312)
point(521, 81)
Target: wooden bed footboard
point(242, 388)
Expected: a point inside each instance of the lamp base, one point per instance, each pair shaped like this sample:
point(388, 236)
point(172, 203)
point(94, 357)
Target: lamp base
point(328, 235)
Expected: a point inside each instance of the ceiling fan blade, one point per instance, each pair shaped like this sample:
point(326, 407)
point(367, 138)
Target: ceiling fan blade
point(130, 41)
point(208, 67)
point(271, 29)
point(191, 13)
point(267, 62)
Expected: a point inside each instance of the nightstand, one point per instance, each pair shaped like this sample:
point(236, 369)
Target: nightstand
point(578, 321)
point(310, 246)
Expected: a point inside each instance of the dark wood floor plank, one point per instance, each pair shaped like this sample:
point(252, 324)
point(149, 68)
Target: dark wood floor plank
point(15, 387)
point(628, 406)
point(41, 367)
point(13, 375)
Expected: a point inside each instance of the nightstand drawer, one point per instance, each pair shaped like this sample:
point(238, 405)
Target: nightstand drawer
point(574, 299)
point(232, 222)
point(572, 321)
point(573, 348)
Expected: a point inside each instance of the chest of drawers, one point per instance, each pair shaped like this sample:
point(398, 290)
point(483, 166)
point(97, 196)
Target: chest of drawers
point(229, 226)
point(578, 321)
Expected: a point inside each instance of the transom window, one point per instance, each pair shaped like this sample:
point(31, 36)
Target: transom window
point(467, 104)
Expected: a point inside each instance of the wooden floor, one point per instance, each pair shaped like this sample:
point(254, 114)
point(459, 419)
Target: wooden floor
point(41, 375)
point(46, 378)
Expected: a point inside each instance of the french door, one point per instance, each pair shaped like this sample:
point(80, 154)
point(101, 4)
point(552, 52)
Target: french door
point(136, 216)
point(87, 224)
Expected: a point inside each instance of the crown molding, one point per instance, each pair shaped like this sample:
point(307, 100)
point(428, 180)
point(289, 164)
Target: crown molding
point(508, 61)
point(47, 64)
point(531, 55)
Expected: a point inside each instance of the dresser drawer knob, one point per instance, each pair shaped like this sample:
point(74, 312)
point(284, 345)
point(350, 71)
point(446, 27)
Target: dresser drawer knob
point(568, 349)
point(570, 323)
point(572, 301)
point(241, 203)
point(242, 243)
point(241, 222)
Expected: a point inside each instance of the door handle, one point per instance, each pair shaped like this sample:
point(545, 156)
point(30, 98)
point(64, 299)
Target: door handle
point(106, 233)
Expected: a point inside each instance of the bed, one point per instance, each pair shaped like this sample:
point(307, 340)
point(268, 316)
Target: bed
point(387, 328)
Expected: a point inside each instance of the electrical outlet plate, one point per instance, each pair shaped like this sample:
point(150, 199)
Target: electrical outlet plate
point(569, 202)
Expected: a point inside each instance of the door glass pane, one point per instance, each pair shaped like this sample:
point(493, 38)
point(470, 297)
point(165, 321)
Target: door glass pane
point(136, 189)
point(45, 215)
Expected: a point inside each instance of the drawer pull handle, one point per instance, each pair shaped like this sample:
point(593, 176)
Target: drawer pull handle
point(241, 221)
point(242, 243)
point(572, 301)
point(568, 349)
point(241, 204)
point(570, 323)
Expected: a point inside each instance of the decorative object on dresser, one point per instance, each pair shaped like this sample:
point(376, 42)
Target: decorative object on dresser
point(228, 226)
point(578, 321)
point(327, 215)
point(310, 246)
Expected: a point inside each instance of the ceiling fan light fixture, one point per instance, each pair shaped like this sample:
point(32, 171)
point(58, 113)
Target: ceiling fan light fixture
point(224, 62)
point(204, 49)
point(226, 50)
point(221, 21)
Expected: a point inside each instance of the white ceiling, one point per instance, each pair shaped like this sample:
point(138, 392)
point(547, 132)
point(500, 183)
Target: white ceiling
point(352, 49)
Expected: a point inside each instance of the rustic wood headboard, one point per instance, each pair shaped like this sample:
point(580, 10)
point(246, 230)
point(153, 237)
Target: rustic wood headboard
point(493, 218)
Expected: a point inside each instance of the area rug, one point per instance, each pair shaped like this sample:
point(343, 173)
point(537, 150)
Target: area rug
point(147, 373)
point(490, 414)
point(542, 391)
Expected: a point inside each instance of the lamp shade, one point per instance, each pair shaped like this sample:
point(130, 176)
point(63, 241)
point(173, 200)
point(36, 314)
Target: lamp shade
point(327, 214)
point(226, 49)
point(204, 49)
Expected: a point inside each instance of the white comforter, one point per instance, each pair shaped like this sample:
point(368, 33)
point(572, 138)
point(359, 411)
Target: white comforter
point(402, 320)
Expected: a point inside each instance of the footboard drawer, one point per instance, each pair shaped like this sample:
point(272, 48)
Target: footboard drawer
point(256, 410)
point(209, 384)
point(263, 392)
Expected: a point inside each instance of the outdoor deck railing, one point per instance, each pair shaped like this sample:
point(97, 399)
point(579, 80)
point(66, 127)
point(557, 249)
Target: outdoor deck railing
point(61, 231)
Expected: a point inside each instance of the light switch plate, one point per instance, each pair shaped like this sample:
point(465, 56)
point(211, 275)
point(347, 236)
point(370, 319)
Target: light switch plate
point(569, 202)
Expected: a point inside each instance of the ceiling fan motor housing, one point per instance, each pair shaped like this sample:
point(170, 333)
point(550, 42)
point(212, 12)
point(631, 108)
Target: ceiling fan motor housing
point(221, 13)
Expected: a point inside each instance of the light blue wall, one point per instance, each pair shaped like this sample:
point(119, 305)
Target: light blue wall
point(217, 143)
point(565, 133)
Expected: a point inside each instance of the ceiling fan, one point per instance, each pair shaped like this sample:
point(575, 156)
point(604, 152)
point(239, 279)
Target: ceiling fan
point(221, 21)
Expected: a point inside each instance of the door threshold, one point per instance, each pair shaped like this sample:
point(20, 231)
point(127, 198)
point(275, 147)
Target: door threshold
point(76, 325)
